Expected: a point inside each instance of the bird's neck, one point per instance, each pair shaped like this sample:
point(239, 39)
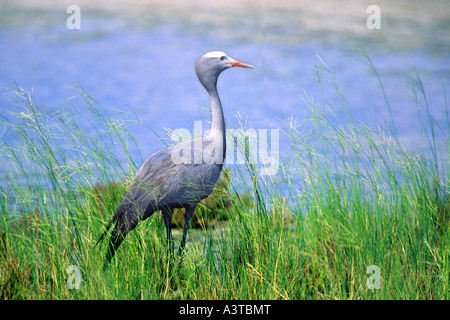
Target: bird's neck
point(218, 121)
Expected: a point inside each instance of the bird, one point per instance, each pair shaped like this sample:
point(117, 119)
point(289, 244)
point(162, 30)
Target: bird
point(181, 175)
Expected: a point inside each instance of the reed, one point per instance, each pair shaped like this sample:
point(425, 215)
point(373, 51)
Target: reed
point(348, 197)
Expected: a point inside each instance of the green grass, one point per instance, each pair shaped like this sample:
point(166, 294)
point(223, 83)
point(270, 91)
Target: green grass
point(353, 196)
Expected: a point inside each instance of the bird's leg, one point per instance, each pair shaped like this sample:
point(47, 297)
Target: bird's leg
point(167, 216)
point(187, 216)
point(169, 239)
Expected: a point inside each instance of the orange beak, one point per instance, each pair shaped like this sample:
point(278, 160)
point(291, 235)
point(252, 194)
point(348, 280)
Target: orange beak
point(236, 63)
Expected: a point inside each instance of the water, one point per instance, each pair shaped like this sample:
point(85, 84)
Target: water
point(140, 57)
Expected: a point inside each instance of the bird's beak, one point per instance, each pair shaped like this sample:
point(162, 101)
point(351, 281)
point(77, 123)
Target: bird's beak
point(235, 63)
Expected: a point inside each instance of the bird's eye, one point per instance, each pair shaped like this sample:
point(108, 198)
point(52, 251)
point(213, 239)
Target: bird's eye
point(222, 58)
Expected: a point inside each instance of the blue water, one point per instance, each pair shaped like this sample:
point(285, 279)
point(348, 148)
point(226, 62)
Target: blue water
point(144, 62)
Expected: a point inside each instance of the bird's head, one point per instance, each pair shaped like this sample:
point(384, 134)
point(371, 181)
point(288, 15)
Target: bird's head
point(211, 64)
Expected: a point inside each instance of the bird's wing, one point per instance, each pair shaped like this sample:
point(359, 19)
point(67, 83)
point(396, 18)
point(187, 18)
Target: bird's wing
point(142, 197)
point(162, 181)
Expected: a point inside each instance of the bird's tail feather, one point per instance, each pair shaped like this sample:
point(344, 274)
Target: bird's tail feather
point(125, 219)
point(102, 236)
point(118, 215)
point(114, 242)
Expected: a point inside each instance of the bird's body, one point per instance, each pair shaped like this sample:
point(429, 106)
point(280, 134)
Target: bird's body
point(179, 176)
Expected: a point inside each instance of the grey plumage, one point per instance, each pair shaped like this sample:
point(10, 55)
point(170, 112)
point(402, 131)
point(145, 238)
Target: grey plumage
point(163, 182)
